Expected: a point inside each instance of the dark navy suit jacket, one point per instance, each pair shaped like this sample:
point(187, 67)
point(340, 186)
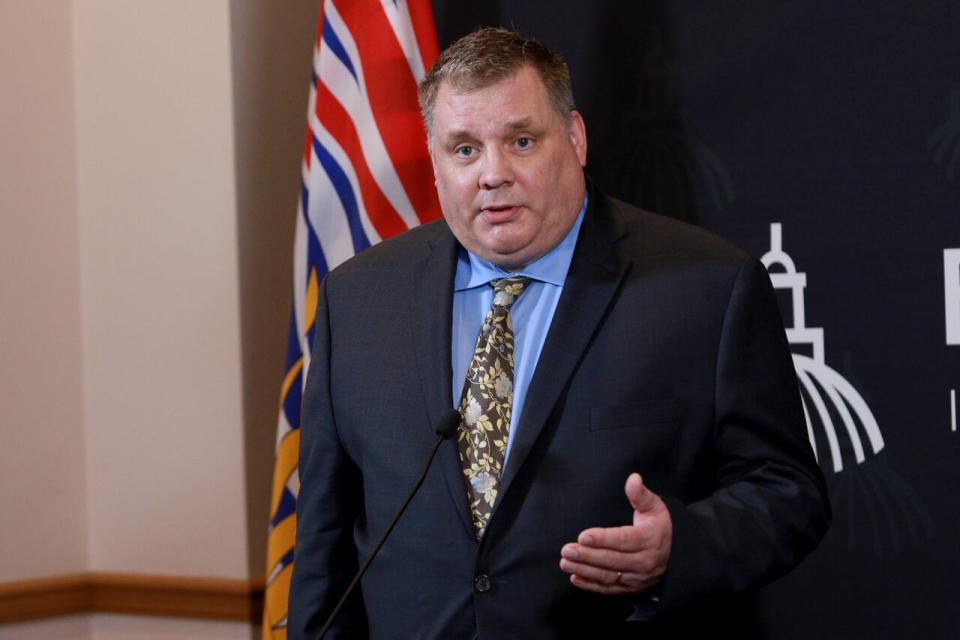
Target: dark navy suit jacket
point(666, 356)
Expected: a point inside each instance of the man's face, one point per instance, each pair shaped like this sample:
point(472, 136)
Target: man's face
point(508, 168)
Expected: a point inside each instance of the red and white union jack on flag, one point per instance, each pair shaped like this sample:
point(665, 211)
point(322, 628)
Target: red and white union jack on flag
point(366, 177)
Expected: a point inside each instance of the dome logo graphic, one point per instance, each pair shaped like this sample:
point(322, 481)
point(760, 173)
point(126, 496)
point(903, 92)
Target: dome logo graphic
point(873, 506)
point(828, 398)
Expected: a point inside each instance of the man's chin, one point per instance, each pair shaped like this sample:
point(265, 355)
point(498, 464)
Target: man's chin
point(511, 258)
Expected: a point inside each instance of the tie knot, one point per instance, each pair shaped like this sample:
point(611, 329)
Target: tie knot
point(507, 290)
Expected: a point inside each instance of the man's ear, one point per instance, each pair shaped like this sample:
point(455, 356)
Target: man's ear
point(433, 159)
point(578, 136)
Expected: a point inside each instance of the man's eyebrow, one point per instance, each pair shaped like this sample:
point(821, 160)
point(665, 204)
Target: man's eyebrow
point(517, 125)
point(455, 136)
point(458, 135)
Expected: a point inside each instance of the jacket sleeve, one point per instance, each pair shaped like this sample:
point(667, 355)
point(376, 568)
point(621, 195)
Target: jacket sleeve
point(330, 499)
point(769, 508)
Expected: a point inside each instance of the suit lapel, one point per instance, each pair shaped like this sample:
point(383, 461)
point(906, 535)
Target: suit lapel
point(432, 287)
point(596, 271)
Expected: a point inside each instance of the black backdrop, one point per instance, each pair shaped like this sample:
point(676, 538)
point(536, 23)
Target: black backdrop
point(841, 122)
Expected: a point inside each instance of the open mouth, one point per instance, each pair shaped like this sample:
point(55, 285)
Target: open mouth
point(494, 214)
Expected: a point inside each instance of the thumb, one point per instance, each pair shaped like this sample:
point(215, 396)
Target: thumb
point(641, 498)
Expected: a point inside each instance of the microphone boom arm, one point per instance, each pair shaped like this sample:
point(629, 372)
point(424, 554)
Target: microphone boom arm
point(446, 427)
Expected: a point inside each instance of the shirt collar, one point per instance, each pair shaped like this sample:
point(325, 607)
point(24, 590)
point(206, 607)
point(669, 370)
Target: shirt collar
point(552, 267)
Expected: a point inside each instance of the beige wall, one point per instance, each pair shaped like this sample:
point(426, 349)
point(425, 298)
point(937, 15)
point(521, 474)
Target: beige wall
point(118, 627)
point(42, 482)
point(159, 287)
point(66, 628)
point(121, 627)
point(150, 172)
point(271, 74)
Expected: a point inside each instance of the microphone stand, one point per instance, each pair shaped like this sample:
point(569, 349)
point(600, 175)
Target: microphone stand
point(446, 427)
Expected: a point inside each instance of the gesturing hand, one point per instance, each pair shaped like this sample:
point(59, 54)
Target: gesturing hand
point(627, 559)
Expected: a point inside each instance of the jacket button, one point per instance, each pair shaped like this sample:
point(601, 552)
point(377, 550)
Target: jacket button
point(482, 583)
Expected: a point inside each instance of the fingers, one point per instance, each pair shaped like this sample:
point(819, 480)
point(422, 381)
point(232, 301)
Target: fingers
point(612, 560)
point(619, 573)
point(609, 560)
point(625, 559)
point(601, 587)
point(625, 539)
point(641, 498)
point(587, 571)
point(628, 583)
point(594, 578)
point(602, 565)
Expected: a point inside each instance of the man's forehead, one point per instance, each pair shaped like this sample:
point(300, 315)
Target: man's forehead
point(465, 83)
point(510, 104)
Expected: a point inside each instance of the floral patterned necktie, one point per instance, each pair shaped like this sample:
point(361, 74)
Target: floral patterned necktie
point(486, 403)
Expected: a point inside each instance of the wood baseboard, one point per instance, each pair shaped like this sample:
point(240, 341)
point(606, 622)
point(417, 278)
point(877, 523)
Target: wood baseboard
point(152, 595)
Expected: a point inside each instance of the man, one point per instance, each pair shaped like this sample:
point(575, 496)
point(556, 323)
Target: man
point(632, 453)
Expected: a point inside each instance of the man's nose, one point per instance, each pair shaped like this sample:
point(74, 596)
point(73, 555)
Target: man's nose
point(497, 169)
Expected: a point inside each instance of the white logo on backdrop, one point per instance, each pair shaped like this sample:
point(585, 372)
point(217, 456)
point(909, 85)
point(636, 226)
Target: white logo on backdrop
point(951, 293)
point(953, 409)
point(820, 383)
point(951, 302)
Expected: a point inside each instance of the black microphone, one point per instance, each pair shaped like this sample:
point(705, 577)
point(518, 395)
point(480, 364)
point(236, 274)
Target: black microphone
point(447, 425)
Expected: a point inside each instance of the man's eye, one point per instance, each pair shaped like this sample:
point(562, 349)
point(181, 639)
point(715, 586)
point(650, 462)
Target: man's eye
point(464, 151)
point(523, 143)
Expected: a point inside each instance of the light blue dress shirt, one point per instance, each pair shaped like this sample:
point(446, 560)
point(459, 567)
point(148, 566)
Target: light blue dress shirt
point(532, 313)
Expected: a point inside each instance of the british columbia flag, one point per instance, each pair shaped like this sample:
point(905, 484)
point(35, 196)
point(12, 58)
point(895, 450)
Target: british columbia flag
point(366, 177)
